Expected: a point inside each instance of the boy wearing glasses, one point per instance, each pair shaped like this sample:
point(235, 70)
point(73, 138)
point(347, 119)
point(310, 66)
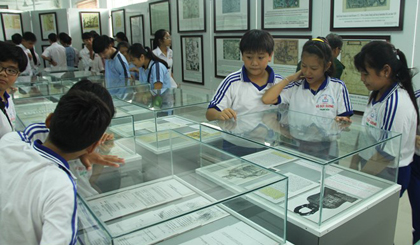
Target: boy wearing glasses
point(13, 61)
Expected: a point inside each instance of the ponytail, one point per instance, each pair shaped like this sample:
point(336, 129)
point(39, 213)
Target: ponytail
point(136, 50)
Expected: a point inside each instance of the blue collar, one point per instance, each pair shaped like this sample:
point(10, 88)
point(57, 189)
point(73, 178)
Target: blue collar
point(268, 69)
point(6, 99)
point(51, 155)
point(387, 92)
point(323, 85)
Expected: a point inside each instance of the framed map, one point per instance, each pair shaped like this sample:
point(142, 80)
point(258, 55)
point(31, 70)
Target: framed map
point(90, 21)
point(118, 21)
point(48, 22)
point(160, 16)
point(191, 15)
point(227, 55)
point(12, 23)
point(286, 15)
point(231, 15)
point(137, 29)
point(355, 15)
point(351, 77)
point(192, 59)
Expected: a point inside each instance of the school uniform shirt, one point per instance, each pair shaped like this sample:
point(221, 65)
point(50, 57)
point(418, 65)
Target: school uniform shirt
point(57, 53)
point(71, 56)
point(331, 99)
point(28, 69)
point(86, 63)
point(169, 61)
point(158, 73)
point(116, 70)
point(237, 91)
point(417, 94)
point(395, 112)
point(38, 194)
point(5, 125)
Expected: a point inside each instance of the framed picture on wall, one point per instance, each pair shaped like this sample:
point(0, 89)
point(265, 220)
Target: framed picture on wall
point(231, 15)
point(160, 16)
point(286, 15)
point(228, 57)
point(43, 48)
point(90, 21)
point(192, 59)
point(12, 23)
point(48, 23)
point(351, 77)
point(350, 15)
point(191, 15)
point(118, 21)
point(137, 29)
point(287, 53)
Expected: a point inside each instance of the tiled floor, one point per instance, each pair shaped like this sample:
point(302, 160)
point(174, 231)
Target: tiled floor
point(403, 232)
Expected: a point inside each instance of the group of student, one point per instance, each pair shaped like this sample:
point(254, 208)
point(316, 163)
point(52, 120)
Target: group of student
point(37, 188)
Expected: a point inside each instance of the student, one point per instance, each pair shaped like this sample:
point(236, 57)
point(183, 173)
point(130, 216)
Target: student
point(123, 48)
point(28, 43)
point(317, 93)
point(12, 62)
point(121, 37)
point(392, 106)
point(89, 60)
point(162, 49)
point(17, 38)
point(151, 69)
point(71, 53)
point(116, 66)
point(55, 53)
point(240, 92)
point(38, 191)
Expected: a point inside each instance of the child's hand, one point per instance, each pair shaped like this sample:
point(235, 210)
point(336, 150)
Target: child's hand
point(95, 158)
point(227, 114)
point(295, 77)
point(343, 119)
point(106, 137)
point(134, 69)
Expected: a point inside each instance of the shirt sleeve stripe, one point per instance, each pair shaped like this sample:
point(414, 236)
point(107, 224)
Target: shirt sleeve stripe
point(222, 90)
point(123, 66)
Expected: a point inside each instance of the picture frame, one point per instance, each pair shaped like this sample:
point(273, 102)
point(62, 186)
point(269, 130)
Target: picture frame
point(346, 16)
point(43, 48)
point(286, 54)
point(160, 16)
point(192, 59)
point(231, 16)
point(118, 21)
point(191, 15)
point(90, 21)
point(227, 56)
point(11, 23)
point(359, 95)
point(286, 15)
point(48, 23)
point(137, 29)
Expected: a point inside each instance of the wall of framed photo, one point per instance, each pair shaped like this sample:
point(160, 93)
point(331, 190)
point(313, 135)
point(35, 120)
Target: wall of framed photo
point(12, 21)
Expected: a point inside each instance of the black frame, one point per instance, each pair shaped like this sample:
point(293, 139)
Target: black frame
point(142, 27)
point(202, 59)
point(4, 29)
point(398, 28)
point(230, 31)
point(40, 24)
point(308, 37)
point(309, 28)
point(112, 20)
point(215, 52)
point(150, 15)
point(90, 12)
point(204, 18)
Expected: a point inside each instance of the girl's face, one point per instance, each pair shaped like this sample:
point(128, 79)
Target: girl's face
point(376, 81)
point(167, 40)
point(138, 62)
point(313, 68)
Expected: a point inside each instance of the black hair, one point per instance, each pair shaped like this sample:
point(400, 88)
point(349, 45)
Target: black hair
point(376, 55)
point(11, 52)
point(159, 35)
point(136, 50)
point(94, 34)
point(16, 38)
point(335, 41)
point(122, 36)
point(123, 44)
point(98, 90)
point(65, 38)
point(101, 43)
point(29, 36)
point(257, 41)
point(86, 35)
point(319, 46)
point(79, 120)
point(52, 37)
point(33, 56)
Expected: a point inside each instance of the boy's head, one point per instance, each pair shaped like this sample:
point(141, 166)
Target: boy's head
point(52, 37)
point(12, 61)
point(78, 122)
point(17, 38)
point(336, 43)
point(102, 45)
point(28, 40)
point(87, 39)
point(65, 39)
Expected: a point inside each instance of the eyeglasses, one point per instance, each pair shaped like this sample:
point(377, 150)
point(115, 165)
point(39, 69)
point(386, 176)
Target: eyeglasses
point(9, 70)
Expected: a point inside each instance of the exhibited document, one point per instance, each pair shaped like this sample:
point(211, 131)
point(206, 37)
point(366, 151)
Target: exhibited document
point(269, 158)
point(353, 187)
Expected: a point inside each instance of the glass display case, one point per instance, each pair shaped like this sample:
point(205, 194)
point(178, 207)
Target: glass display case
point(187, 195)
point(336, 170)
point(36, 86)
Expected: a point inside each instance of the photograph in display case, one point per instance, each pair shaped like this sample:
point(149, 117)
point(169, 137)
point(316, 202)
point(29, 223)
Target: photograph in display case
point(90, 21)
point(354, 15)
point(137, 29)
point(228, 57)
point(191, 15)
point(286, 15)
point(12, 23)
point(48, 23)
point(160, 16)
point(192, 59)
point(118, 21)
point(231, 15)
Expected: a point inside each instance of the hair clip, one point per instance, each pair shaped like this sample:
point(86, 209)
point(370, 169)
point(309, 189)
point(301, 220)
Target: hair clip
point(318, 39)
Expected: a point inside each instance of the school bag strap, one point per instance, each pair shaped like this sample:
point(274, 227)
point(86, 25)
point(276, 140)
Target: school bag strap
point(156, 71)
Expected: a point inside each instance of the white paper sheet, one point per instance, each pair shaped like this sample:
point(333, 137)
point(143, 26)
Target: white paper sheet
point(269, 158)
point(354, 187)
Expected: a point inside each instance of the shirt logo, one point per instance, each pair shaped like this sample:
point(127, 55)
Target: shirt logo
point(325, 102)
point(371, 119)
